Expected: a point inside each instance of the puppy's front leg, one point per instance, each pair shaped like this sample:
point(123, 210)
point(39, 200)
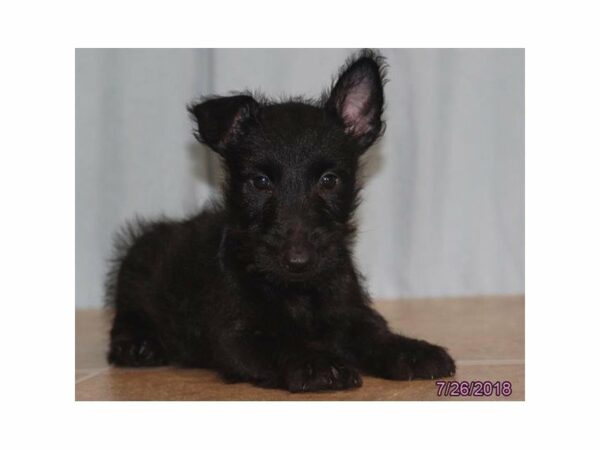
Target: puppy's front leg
point(389, 355)
point(278, 363)
point(246, 355)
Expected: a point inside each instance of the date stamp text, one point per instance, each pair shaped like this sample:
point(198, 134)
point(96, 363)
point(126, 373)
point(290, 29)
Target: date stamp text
point(474, 388)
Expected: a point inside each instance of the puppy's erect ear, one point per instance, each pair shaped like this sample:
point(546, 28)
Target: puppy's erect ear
point(221, 120)
point(357, 98)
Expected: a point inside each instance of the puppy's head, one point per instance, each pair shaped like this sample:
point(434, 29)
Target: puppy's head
point(291, 187)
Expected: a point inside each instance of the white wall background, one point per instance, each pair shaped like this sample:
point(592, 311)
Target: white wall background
point(443, 209)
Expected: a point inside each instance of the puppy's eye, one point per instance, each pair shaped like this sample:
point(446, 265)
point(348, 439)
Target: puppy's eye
point(261, 182)
point(328, 180)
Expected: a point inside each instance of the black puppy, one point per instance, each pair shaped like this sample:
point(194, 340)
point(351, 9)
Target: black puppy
point(263, 288)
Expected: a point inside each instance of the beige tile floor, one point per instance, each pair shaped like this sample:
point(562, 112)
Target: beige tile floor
point(484, 335)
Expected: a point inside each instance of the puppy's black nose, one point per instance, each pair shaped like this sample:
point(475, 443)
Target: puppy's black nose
point(297, 259)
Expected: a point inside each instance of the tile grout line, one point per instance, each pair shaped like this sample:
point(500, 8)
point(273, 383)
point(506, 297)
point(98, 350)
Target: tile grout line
point(490, 362)
point(91, 375)
point(460, 363)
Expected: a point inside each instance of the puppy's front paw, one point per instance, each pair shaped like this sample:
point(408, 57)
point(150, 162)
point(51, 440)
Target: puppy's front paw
point(320, 374)
point(136, 353)
point(420, 359)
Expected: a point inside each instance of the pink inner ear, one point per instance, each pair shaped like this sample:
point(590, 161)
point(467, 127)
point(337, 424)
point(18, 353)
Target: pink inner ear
point(234, 128)
point(357, 120)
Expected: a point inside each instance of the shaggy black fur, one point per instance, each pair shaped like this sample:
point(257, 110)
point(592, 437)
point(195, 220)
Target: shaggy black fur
point(263, 288)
